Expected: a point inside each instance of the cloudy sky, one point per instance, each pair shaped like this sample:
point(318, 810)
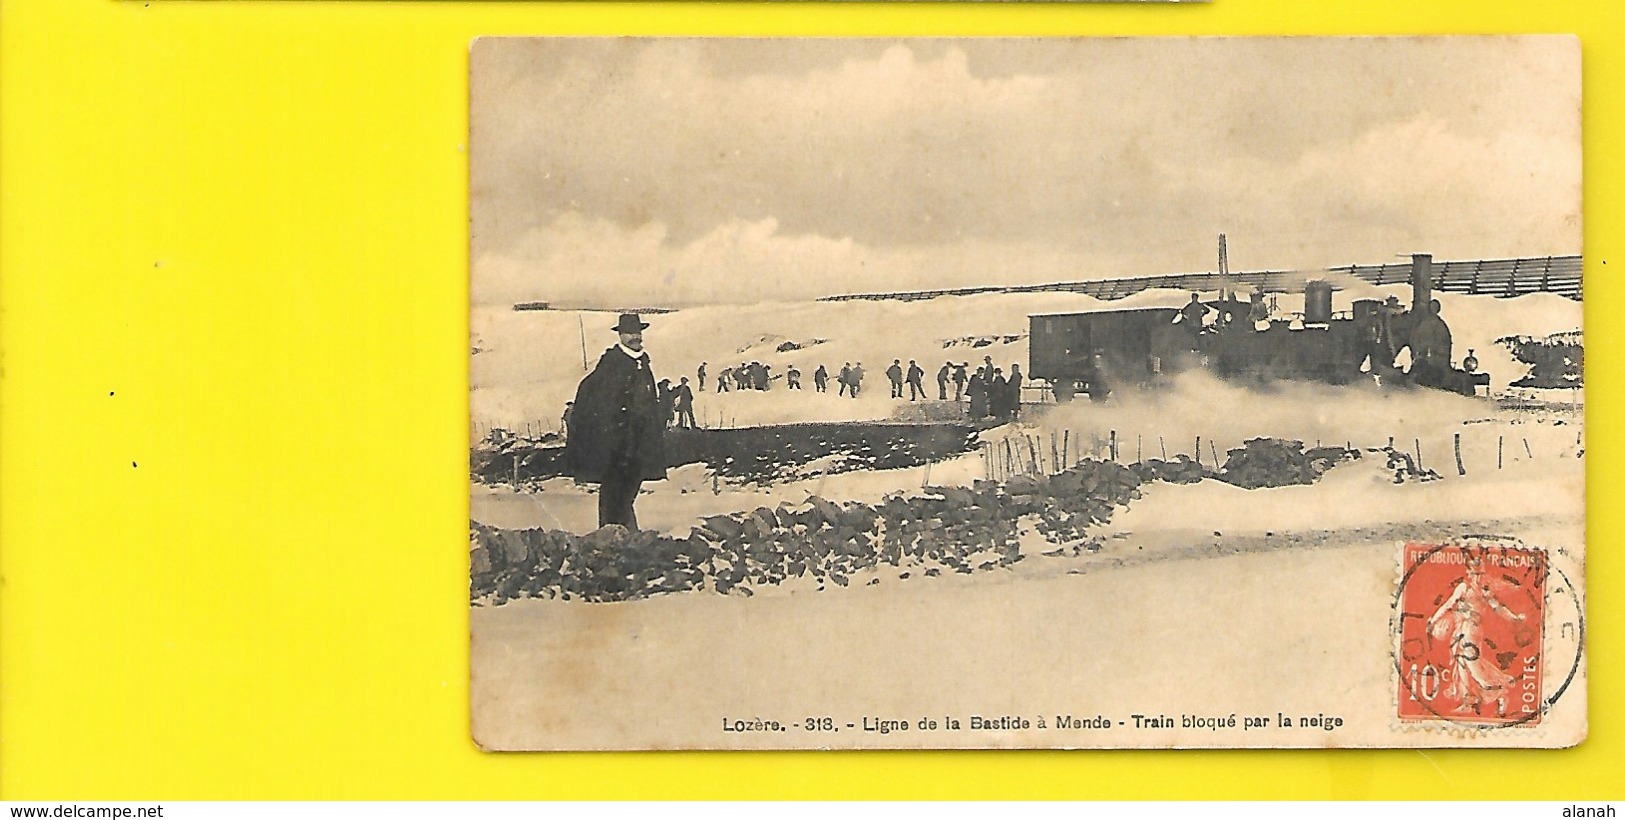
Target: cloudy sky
point(680, 171)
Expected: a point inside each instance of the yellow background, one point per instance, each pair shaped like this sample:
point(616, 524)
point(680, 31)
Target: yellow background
point(233, 380)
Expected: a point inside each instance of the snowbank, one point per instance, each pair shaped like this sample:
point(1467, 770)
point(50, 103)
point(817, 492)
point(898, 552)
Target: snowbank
point(529, 362)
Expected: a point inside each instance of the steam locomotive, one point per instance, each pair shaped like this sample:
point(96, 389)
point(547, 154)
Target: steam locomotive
point(1096, 352)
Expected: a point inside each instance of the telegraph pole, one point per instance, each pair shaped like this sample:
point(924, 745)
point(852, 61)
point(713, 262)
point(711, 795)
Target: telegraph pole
point(582, 326)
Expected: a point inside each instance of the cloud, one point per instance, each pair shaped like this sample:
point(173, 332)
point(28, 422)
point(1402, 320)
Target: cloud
point(890, 147)
point(1413, 185)
point(716, 168)
point(595, 262)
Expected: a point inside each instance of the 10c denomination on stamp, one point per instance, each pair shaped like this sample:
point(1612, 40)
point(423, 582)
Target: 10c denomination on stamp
point(1470, 626)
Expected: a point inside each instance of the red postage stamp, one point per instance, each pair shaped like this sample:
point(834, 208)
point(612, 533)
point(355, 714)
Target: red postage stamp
point(1470, 630)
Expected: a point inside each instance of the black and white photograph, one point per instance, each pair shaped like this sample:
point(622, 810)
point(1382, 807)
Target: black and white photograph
point(1026, 393)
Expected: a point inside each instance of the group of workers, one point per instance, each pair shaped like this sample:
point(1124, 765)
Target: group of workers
point(991, 392)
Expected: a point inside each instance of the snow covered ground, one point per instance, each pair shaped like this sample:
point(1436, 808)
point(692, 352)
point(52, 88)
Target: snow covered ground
point(529, 362)
point(1205, 599)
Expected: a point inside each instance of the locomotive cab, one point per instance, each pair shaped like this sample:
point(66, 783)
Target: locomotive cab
point(1099, 351)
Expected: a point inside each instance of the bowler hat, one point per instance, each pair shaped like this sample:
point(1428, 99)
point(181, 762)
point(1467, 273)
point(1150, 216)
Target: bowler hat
point(630, 323)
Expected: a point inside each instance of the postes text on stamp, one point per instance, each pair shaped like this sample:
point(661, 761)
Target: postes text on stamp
point(1470, 630)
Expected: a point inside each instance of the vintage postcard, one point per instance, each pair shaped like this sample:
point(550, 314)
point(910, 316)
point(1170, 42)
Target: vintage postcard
point(1014, 393)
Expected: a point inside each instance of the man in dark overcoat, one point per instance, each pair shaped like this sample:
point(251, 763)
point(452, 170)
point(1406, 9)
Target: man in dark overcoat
point(1012, 388)
point(683, 403)
point(617, 433)
point(998, 396)
point(1430, 346)
point(977, 391)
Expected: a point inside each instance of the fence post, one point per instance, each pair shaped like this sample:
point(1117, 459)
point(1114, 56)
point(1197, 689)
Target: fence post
point(1419, 454)
point(1460, 470)
point(1114, 445)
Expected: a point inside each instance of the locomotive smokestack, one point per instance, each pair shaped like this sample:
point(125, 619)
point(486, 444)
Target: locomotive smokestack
point(1421, 280)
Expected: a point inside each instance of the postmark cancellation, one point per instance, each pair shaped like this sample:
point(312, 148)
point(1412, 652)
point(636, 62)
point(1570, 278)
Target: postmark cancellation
point(1487, 637)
